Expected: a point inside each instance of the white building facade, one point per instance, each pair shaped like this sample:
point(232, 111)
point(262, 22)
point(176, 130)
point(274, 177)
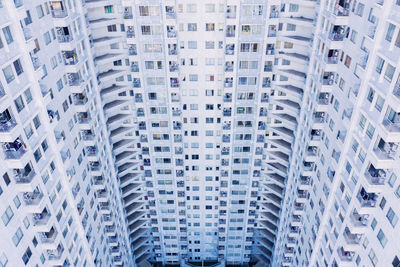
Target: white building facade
point(348, 162)
point(183, 131)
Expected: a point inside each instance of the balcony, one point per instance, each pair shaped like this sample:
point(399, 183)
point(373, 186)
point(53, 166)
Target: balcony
point(32, 198)
point(94, 166)
point(132, 51)
point(228, 97)
point(170, 12)
point(41, 218)
point(174, 82)
point(48, 237)
point(172, 51)
point(385, 151)
point(173, 66)
point(337, 33)
point(83, 117)
point(230, 30)
point(351, 238)
point(315, 135)
point(138, 98)
point(230, 12)
point(228, 82)
point(171, 32)
point(25, 175)
point(319, 117)
point(7, 122)
point(328, 78)
point(342, 11)
point(136, 83)
point(64, 35)
point(130, 32)
point(375, 176)
point(55, 254)
point(176, 112)
point(226, 126)
point(74, 79)
point(346, 256)
point(128, 13)
point(274, 14)
point(266, 82)
point(14, 150)
point(59, 13)
point(87, 135)
point(79, 99)
point(91, 151)
point(392, 123)
point(227, 112)
point(359, 220)
point(367, 199)
point(272, 31)
point(230, 49)
point(229, 66)
point(70, 57)
point(134, 67)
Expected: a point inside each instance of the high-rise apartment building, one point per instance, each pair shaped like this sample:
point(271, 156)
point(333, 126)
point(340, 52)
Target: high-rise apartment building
point(219, 132)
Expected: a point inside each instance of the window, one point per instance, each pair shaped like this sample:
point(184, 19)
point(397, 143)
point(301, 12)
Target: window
point(293, 8)
point(210, 8)
point(112, 28)
point(370, 130)
point(7, 215)
point(108, 9)
point(372, 257)
point(290, 27)
point(347, 62)
point(379, 103)
point(36, 121)
point(8, 74)
point(8, 35)
point(389, 72)
point(191, 8)
point(353, 36)
point(19, 103)
point(192, 27)
point(47, 38)
point(3, 260)
point(392, 217)
point(27, 255)
point(392, 179)
point(373, 224)
point(210, 27)
point(379, 65)
point(18, 67)
point(17, 202)
point(360, 9)
point(39, 10)
point(17, 236)
point(28, 96)
point(192, 44)
point(390, 32)
point(382, 238)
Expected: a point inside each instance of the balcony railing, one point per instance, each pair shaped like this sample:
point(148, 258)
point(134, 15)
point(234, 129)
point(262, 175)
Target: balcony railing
point(14, 150)
point(64, 38)
point(336, 36)
point(6, 125)
point(23, 177)
point(59, 13)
